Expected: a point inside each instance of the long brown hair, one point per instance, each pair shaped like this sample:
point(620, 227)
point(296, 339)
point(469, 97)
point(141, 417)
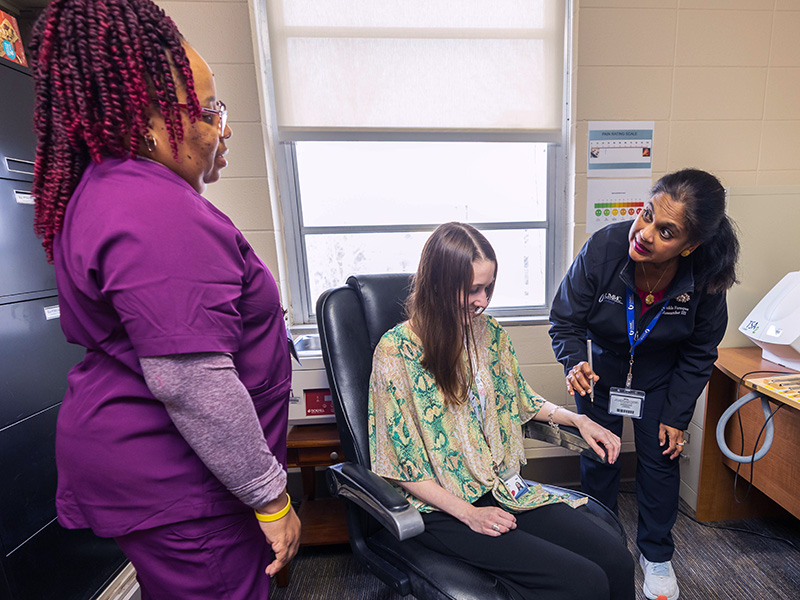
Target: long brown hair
point(436, 306)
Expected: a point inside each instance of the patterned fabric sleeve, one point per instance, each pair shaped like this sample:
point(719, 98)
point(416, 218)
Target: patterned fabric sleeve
point(395, 445)
point(528, 402)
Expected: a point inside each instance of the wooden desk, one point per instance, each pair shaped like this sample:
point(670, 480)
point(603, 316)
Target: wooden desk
point(777, 475)
point(323, 519)
point(309, 447)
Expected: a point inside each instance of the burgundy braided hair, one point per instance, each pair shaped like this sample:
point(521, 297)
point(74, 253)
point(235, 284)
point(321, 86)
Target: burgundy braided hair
point(97, 67)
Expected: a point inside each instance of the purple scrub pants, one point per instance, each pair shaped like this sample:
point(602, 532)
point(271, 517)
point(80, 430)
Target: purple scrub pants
point(220, 558)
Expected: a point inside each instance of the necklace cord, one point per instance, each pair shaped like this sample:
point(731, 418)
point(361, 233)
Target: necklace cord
point(649, 299)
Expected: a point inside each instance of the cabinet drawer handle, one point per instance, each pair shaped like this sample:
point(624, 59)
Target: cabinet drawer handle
point(19, 165)
point(334, 455)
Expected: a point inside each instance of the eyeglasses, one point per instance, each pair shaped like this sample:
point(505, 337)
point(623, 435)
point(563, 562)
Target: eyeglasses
point(220, 112)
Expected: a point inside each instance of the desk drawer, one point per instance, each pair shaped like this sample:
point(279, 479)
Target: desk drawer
point(314, 457)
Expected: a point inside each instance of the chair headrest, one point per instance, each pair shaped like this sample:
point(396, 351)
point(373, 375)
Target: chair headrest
point(382, 298)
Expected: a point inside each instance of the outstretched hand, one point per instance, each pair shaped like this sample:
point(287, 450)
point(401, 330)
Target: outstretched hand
point(606, 443)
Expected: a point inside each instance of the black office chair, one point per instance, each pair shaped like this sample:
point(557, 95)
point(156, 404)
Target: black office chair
point(381, 523)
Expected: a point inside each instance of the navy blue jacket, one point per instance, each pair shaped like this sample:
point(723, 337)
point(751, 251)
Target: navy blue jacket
point(677, 356)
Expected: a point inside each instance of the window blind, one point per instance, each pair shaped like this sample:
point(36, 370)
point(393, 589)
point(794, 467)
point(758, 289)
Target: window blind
point(409, 69)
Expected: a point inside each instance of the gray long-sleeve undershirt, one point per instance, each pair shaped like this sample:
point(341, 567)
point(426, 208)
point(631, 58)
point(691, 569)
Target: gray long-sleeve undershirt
point(214, 413)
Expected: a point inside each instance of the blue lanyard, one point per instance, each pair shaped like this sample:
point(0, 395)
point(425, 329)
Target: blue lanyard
point(480, 413)
point(632, 337)
point(634, 341)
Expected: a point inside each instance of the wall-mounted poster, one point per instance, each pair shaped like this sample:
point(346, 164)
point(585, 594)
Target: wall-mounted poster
point(614, 200)
point(11, 41)
point(620, 149)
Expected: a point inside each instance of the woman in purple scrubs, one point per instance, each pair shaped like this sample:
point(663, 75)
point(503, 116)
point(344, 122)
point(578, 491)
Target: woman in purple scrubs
point(173, 428)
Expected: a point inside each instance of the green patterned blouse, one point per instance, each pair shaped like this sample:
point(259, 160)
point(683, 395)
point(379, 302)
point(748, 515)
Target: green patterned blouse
point(414, 437)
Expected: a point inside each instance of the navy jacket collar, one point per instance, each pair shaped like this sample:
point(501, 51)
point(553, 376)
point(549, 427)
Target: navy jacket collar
point(682, 283)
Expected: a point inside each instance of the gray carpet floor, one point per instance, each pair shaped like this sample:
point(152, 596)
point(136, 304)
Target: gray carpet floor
point(710, 563)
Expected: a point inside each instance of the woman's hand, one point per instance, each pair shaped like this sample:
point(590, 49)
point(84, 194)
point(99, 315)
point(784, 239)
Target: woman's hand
point(486, 520)
point(579, 379)
point(673, 437)
point(284, 537)
point(597, 435)
point(489, 520)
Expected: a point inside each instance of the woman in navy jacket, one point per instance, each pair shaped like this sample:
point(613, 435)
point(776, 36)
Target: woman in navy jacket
point(651, 296)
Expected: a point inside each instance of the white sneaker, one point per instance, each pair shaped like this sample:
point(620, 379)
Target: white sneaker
point(659, 580)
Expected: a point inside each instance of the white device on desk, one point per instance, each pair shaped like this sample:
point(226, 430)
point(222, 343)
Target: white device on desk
point(310, 399)
point(774, 324)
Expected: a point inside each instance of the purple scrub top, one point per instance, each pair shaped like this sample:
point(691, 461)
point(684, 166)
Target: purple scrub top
point(148, 267)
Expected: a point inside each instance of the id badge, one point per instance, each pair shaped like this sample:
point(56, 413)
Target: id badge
point(514, 483)
point(625, 402)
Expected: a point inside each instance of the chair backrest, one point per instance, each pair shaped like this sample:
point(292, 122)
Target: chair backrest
point(351, 320)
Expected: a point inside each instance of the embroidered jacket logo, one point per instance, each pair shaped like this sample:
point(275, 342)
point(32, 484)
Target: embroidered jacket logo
point(609, 297)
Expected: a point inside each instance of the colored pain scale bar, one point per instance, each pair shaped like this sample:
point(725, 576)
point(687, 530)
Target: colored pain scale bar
point(614, 209)
point(785, 388)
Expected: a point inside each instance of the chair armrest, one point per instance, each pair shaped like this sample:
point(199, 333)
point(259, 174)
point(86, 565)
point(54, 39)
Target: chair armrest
point(377, 497)
point(566, 436)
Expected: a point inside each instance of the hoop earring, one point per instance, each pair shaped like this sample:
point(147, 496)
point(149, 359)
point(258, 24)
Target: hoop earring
point(686, 253)
point(150, 142)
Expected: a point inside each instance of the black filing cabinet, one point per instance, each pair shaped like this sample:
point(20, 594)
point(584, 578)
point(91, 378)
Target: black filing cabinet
point(23, 268)
point(39, 560)
point(17, 140)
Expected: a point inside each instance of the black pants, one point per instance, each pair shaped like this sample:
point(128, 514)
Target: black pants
point(555, 553)
point(658, 479)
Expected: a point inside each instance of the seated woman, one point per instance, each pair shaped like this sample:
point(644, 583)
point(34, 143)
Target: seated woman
point(447, 403)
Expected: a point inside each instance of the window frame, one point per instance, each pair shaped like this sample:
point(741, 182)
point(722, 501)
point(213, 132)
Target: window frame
point(558, 211)
point(303, 306)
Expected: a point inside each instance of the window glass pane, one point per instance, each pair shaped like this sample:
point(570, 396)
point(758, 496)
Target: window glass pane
point(393, 183)
point(520, 256)
point(521, 260)
point(332, 258)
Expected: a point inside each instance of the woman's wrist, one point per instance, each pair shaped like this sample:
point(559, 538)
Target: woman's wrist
point(551, 415)
point(274, 509)
point(465, 513)
point(578, 420)
point(569, 418)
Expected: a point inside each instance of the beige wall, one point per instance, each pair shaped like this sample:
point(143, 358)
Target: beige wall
point(721, 80)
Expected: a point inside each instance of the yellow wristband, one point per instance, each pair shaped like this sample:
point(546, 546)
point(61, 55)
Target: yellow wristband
point(278, 515)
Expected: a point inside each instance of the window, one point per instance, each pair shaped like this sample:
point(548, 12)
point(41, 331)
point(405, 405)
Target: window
point(392, 118)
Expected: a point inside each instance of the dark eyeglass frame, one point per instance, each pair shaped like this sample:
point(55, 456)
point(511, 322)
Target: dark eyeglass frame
point(221, 112)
